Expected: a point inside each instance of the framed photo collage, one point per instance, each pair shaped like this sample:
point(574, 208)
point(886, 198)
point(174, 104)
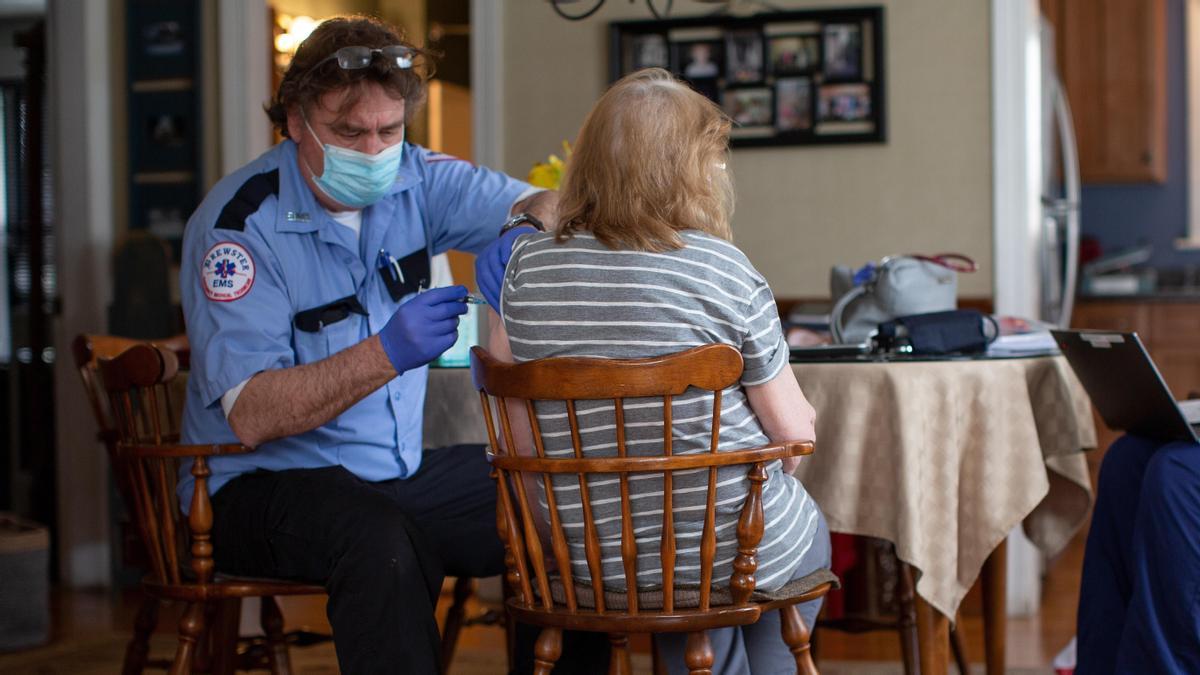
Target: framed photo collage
point(785, 78)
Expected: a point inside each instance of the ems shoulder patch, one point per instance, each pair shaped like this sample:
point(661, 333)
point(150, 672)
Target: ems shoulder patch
point(227, 272)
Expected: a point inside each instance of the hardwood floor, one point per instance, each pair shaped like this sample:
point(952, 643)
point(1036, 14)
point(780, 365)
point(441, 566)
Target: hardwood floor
point(80, 617)
point(83, 617)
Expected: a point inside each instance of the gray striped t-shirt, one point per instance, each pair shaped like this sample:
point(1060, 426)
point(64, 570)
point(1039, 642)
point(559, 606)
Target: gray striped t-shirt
point(580, 298)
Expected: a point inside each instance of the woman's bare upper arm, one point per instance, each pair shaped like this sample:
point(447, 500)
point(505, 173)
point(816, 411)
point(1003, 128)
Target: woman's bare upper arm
point(501, 350)
point(781, 408)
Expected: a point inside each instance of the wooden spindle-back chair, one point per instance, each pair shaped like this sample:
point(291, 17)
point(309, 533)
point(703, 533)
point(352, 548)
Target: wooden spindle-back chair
point(145, 412)
point(556, 600)
point(87, 350)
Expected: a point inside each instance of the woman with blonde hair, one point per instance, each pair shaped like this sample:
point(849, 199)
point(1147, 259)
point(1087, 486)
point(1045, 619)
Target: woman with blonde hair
point(640, 264)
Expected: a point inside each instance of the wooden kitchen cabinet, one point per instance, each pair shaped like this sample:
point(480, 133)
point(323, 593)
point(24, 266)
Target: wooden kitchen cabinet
point(1123, 317)
point(1170, 330)
point(1112, 58)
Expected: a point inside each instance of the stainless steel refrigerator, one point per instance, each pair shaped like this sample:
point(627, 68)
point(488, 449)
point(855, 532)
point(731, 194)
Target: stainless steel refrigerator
point(1058, 248)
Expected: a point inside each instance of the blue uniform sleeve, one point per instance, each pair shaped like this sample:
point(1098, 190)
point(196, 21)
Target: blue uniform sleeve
point(467, 203)
point(236, 306)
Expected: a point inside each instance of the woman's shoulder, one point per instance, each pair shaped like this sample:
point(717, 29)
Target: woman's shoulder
point(705, 247)
point(535, 241)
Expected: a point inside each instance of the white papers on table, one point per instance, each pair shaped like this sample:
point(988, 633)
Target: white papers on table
point(1038, 342)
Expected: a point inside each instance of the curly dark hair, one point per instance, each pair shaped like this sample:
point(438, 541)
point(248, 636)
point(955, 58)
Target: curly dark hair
point(305, 81)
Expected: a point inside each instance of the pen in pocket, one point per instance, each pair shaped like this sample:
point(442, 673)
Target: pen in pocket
point(385, 261)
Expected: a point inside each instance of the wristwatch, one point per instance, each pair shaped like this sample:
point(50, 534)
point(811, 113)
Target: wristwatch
point(522, 219)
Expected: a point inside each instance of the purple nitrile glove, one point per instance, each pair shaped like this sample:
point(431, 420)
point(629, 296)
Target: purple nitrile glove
point(424, 327)
point(489, 266)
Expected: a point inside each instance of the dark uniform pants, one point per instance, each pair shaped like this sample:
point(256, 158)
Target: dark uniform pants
point(380, 549)
point(1139, 604)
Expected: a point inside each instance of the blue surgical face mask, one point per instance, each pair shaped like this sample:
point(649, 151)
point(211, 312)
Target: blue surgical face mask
point(355, 178)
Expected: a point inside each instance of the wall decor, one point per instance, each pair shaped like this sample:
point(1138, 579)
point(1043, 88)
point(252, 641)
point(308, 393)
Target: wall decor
point(805, 77)
point(162, 50)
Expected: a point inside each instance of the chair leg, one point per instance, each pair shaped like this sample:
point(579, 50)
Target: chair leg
point(958, 647)
point(510, 627)
point(202, 661)
point(191, 626)
point(139, 645)
point(907, 624)
point(224, 635)
point(618, 662)
point(698, 654)
point(463, 588)
point(547, 650)
point(272, 624)
point(796, 635)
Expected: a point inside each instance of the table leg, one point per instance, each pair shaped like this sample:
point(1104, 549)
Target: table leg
point(995, 574)
point(933, 633)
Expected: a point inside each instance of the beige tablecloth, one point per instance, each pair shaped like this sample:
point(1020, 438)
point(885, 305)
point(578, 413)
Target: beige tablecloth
point(944, 458)
point(941, 458)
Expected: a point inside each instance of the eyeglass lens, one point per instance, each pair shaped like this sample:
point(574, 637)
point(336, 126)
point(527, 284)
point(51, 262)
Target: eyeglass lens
point(353, 58)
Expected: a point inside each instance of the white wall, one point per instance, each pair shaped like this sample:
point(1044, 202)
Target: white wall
point(243, 84)
point(80, 119)
point(928, 189)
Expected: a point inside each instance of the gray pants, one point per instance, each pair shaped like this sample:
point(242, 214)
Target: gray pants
point(757, 648)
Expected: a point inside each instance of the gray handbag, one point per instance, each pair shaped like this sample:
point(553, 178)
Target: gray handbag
point(897, 286)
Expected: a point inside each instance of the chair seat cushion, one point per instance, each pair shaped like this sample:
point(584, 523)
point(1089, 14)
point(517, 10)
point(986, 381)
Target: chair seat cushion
point(688, 597)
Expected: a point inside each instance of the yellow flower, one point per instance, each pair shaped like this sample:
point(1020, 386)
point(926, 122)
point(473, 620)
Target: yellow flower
point(548, 174)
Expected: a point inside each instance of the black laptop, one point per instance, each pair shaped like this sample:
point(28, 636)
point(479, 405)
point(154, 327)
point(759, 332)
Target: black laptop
point(1126, 387)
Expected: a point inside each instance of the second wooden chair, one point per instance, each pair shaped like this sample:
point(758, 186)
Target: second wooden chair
point(138, 383)
point(555, 600)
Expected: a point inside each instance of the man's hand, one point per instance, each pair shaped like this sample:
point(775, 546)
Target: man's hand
point(423, 328)
point(489, 266)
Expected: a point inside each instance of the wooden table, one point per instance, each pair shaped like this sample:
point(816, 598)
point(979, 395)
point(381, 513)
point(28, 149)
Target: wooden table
point(941, 458)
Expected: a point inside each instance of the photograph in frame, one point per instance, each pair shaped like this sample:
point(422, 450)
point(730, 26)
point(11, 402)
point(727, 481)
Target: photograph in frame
point(793, 104)
point(744, 56)
point(844, 103)
point(794, 54)
point(699, 60)
point(648, 50)
point(843, 51)
point(750, 107)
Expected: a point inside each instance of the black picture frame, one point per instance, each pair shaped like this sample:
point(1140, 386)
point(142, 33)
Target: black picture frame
point(803, 77)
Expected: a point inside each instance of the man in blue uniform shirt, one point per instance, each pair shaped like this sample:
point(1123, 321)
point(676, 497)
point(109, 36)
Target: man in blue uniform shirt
point(303, 284)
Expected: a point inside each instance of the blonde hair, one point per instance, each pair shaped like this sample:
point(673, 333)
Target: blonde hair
point(649, 161)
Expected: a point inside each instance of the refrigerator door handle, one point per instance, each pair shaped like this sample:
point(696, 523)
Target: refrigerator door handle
point(1069, 205)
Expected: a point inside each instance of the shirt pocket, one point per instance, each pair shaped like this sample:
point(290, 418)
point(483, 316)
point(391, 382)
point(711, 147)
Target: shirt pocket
point(312, 346)
point(343, 334)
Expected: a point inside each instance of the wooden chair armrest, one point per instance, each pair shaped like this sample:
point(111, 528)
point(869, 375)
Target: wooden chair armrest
point(654, 463)
point(798, 448)
point(181, 451)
